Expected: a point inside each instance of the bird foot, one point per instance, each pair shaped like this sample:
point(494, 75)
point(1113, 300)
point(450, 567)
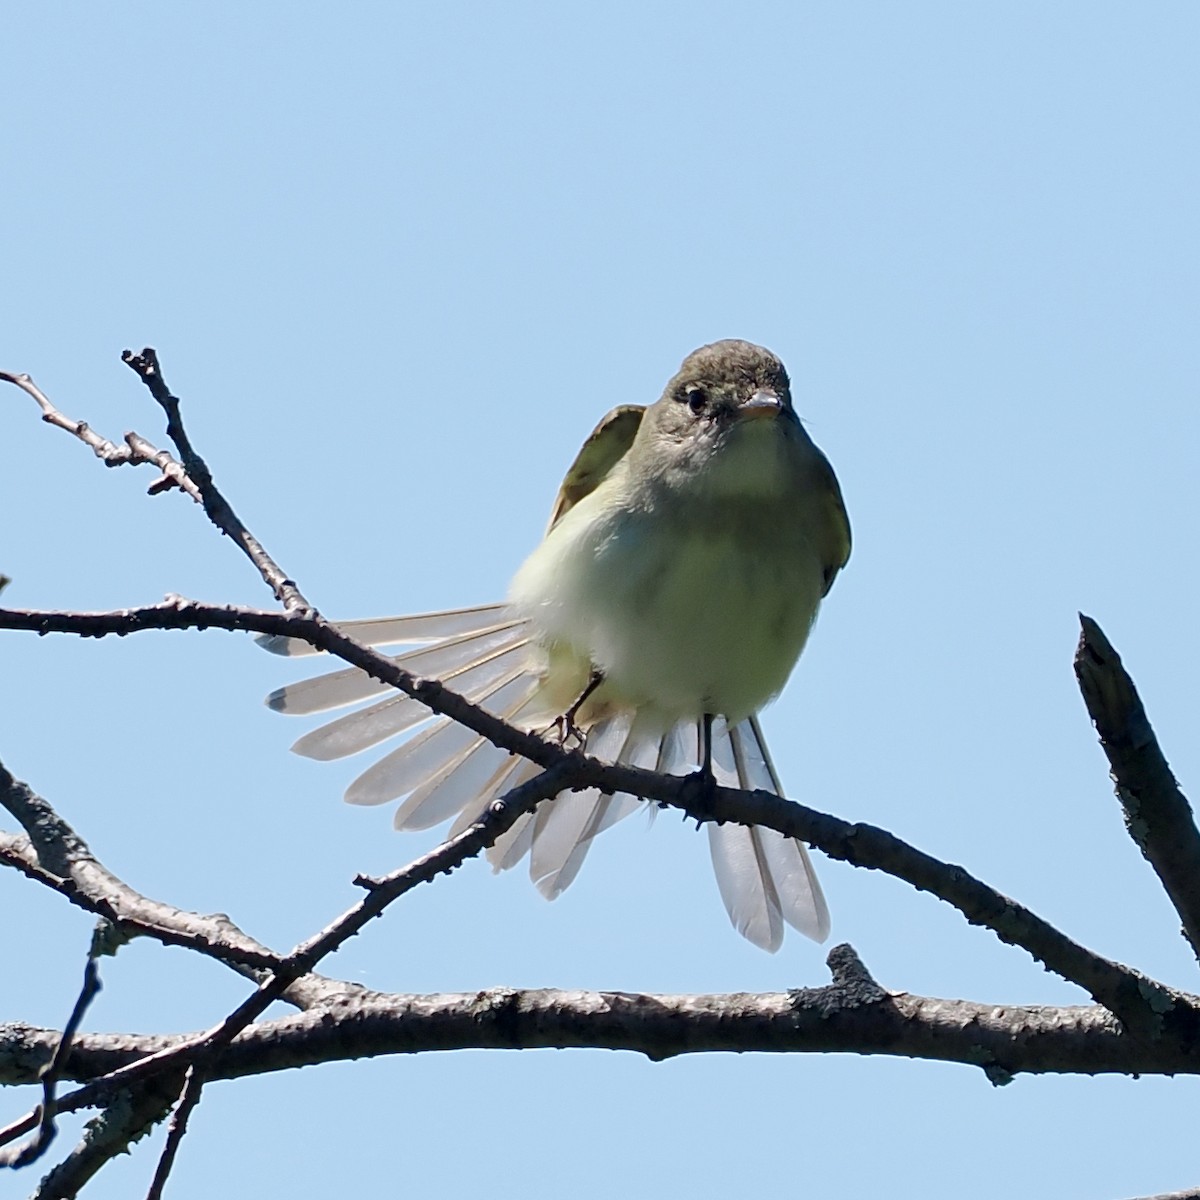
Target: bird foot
point(568, 732)
point(699, 792)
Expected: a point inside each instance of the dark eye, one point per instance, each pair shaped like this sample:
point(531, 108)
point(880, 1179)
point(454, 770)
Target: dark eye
point(696, 399)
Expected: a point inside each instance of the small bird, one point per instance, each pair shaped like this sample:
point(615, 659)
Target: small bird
point(689, 548)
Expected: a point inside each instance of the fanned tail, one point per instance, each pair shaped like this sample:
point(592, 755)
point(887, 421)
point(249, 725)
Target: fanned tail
point(444, 771)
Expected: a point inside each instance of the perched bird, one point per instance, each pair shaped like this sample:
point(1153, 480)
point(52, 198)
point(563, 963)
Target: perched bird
point(689, 548)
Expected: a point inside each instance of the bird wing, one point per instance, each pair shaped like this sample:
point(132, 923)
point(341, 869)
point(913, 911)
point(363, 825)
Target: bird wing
point(833, 535)
point(605, 446)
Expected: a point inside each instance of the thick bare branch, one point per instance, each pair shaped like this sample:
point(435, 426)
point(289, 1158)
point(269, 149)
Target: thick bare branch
point(1157, 814)
point(1140, 1002)
point(56, 856)
point(199, 1051)
point(1003, 1040)
point(1188, 1194)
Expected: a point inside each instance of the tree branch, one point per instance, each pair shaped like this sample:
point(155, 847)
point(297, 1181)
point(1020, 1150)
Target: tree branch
point(131, 1115)
point(56, 856)
point(193, 1087)
point(1140, 1002)
point(1155, 1030)
point(1157, 814)
point(136, 450)
point(220, 511)
point(1003, 1040)
point(200, 1050)
point(51, 1073)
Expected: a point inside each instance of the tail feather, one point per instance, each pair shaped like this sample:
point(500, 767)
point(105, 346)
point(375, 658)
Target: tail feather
point(394, 631)
point(563, 829)
point(640, 750)
point(423, 756)
point(796, 885)
point(514, 844)
point(799, 895)
point(745, 884)
point(680, 750)
point(445, 794)
point(764, 878)
point(743, 878)
point(349, 686)
point(446, 771)
point(368, 727)
point(498, 785)
point(466, 777)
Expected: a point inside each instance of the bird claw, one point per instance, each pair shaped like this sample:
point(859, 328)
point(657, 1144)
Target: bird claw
point(567, 731)
point(699, 794)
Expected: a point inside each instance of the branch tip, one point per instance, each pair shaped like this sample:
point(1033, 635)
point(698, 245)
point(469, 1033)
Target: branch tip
point(1158, 816)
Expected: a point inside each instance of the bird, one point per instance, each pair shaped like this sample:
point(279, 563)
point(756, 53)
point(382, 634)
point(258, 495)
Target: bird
point(688, 551)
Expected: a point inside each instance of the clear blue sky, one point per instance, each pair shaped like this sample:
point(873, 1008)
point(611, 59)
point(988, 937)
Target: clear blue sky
point(398, 260)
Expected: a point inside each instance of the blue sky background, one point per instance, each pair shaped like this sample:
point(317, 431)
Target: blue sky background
point(397, 261)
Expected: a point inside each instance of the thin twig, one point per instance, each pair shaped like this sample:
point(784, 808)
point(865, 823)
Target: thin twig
point(129, 1117)
point(22, 1156)
point(1157, 814)
point(136, 450)
point(147, 368)
point(193, 1086)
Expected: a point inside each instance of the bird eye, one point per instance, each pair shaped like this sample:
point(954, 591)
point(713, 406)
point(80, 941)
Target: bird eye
point(696, 399)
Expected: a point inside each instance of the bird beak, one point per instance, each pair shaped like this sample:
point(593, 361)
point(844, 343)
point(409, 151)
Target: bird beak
point(764, 403)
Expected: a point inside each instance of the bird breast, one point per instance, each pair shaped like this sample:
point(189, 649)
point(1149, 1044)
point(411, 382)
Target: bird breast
point(686, 609)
